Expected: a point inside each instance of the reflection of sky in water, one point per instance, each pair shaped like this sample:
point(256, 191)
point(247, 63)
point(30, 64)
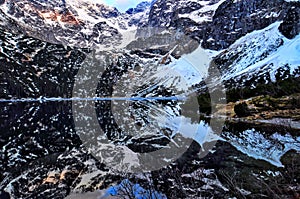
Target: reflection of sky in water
point(136, 191)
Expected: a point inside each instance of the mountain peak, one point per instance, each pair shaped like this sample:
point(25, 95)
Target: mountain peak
point(141, 7)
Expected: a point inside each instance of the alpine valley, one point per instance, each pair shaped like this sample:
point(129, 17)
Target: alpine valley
point(61, 60)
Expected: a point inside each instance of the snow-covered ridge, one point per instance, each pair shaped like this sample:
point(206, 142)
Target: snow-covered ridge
point(260, 52)
point(73, 23)
point(203, 14)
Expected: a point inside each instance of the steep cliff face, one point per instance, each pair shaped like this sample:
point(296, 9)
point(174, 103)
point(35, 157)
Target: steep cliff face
point(217, 24)
point(41, 67)
point(162, 13)
point(290, 26)
point(72, 23)
point(58, 22)
point(234, 19)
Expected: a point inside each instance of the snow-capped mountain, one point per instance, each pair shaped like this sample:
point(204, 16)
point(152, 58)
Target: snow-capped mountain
point(73, 23)
point(251, 38)
point(217, 24)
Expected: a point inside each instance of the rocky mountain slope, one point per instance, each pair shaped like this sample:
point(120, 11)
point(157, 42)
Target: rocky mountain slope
point(260, 57)
point(72, 23)
point(219, 23)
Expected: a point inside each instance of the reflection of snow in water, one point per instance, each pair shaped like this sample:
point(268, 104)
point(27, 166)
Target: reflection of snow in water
point(259, 146)
point(201, 132)
point(165, 81)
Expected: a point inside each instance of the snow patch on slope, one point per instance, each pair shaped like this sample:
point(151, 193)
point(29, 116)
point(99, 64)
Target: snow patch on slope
point(260, 49)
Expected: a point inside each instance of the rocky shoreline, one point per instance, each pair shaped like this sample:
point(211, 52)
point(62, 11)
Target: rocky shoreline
point(284, 111)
